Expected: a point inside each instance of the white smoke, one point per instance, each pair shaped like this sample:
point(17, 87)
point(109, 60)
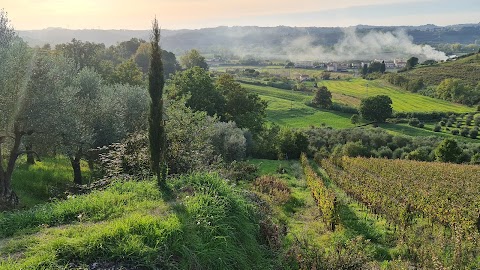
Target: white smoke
point(353, 46)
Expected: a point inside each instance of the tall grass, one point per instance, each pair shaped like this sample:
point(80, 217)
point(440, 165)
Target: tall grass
point(208, 225)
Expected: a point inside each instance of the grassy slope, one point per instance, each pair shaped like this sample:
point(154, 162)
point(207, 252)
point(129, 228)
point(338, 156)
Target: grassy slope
point(466, 69)
point(209, 225)
point(403, 101)
point(287, 108)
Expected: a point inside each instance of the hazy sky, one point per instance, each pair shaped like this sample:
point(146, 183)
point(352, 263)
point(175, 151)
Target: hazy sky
point(177, 14)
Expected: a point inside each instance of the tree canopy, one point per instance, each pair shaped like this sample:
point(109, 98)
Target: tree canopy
point(193, 58)
point(322, 98)
point(376, 108)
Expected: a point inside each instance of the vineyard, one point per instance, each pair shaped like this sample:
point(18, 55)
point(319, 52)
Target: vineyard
point(410, 192)
point(323, 196)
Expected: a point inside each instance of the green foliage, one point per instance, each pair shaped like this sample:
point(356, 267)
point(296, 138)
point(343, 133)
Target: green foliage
point(292, 143)
point(447, 151)
point(322, 98)
point(156, 127)
point(128, 72)
point(229, 141)
point(246, 109)
point(355, 149)
point(455, 90)
point(192, 59)
point(376, 108)
point(355, 119)
point(196, 86)
point(83, 54)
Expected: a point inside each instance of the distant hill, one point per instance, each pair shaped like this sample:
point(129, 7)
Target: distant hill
point(466, 68)
point(261, 40)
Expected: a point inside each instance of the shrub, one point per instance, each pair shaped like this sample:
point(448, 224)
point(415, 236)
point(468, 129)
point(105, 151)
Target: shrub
point(459, 125)
point(398, 153)
point(242, 170)
point(355, 149)
point(276, 188)
point(414, 122)
point(442, 123)
point(384, 152)
point(447, 151)
point(477, 120)
point(473, 133)
point(355, 119)
point(437, 128)
point(464, 132)
point(420, 154)
point(455, 131)
point(421, 125)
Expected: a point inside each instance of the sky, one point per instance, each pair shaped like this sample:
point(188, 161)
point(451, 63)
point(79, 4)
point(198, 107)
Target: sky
point(194, 14)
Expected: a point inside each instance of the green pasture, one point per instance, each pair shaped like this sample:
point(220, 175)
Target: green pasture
point(403, 101)
point(287, 108)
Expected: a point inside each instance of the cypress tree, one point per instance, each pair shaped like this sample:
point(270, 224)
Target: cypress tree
point(156, 131)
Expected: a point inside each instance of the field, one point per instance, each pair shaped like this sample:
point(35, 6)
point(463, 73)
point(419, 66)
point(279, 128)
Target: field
point(288, 108)
point(403, 101)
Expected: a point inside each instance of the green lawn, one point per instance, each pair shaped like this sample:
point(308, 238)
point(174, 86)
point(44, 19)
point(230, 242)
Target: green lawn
point(403, 101)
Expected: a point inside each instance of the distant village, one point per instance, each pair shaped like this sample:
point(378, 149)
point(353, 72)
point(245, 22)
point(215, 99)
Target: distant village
point(340, 66)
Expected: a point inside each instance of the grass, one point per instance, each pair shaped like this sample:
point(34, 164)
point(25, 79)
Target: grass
point(208, 225)
point(350, 91)
point(287, 108)
point(360, 236)
point(46, 179)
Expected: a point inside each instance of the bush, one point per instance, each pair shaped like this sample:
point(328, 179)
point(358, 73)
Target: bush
point(276, 188)
point(398, 153)
point(421, 125)
point(355, 119)
point(343, 108)
point(241, 171)
point(420, 154)
point(455, 131)
point(355, 149)
point(437, 128)
point(473, 133)
point(384, 152)
point(464, 132)
point(414, 122)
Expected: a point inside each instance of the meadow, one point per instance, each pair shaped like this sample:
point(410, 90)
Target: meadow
point(288, 107)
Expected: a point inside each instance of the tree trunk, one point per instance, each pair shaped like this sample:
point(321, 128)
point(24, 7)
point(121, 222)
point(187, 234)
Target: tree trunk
point(8, 198)
point(77, 173)
point(30, 156)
